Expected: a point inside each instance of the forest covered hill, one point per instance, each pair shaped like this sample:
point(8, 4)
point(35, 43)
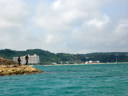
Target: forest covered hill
point(47, 57)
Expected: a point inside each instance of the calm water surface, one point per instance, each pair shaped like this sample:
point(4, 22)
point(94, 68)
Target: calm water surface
point(69, 80)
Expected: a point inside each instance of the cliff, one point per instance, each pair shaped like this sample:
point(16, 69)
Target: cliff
point(9, 67)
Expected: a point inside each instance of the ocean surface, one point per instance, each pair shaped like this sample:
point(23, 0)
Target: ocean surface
point(69, 80)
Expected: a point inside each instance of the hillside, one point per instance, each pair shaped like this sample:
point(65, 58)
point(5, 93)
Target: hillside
point(47, 57)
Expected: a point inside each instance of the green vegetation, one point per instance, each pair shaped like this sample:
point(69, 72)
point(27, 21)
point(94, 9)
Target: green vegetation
point(47, 57)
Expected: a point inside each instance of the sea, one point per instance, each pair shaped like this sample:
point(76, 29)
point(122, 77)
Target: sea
point(69, 80)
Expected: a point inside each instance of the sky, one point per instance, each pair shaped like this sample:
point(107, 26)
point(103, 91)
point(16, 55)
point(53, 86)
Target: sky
point(64, 26)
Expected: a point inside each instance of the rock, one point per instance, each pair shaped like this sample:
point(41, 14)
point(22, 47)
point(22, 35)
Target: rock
point(3, 66)
point(4, 61)
point(4, 73)
point(1, 71)
point(24, 69)
point(8, 68)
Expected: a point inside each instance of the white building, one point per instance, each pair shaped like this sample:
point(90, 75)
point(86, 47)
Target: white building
point(92, 62)
point(33, 59)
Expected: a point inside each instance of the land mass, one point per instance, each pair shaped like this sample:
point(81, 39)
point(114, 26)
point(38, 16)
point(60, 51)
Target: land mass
point(48, 58)
point(9, 67)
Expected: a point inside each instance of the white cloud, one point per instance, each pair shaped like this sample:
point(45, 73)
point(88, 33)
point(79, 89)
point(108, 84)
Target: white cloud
point(13, 21)
point(12, 13)
point(121, 33)
point(66, 17)
point(5, 23)
point(56, 4)
point(99, 23)
point(75, 26)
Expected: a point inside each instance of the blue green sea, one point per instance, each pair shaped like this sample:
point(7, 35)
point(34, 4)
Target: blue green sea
point(69, 80)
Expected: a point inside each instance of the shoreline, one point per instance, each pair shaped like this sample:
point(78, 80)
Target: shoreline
point(84, 64)
point(9, 67)
point(7, 70)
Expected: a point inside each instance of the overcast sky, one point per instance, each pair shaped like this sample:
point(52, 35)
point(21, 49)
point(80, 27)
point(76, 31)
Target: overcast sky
point(68, 26)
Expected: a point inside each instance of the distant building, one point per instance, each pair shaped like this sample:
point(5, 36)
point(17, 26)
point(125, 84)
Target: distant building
point(33, 59)
point(91, 62)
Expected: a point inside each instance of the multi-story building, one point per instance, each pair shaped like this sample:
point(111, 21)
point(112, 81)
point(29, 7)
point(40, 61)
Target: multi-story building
point(33, 59)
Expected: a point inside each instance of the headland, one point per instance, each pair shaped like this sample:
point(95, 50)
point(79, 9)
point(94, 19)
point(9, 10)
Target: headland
point(9, 67)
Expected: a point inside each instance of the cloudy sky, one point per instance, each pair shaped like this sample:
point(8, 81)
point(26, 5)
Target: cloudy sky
point(68, 26)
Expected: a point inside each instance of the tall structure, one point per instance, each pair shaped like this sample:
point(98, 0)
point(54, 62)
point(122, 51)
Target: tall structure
point(33, 59)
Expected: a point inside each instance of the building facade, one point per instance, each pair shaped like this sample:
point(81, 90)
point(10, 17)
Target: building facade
point(33, 59)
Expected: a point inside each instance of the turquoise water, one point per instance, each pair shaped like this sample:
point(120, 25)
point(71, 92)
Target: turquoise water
point(69, 80)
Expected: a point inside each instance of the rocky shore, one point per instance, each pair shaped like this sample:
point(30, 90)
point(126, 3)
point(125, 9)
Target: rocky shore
point(9, 67)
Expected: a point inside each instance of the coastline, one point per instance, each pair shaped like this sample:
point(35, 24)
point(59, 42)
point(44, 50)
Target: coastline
point(9, 67)
point(17, 70)
point(86, 64)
